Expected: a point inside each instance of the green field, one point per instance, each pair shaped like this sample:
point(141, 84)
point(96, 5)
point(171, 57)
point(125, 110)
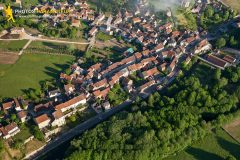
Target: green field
point(29, 70)
point(12, 45)
point(215, 146)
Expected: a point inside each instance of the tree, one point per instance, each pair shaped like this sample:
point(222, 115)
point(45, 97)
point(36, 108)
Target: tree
point(217, 74)
point(220, 43)
point(209, 12)
point(232, 41)
point(226, 15)
point(37, 133)
point(72, 118)
point(230, 157)
point(17, 144)
point(71, 47)
point(13, 117)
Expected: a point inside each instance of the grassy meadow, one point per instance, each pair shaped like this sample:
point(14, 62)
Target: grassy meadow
point(29, 70)
point(12, 45)
point(215, 146)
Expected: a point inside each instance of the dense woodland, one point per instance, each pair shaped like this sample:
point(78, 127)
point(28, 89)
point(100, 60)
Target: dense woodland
point(166, 122)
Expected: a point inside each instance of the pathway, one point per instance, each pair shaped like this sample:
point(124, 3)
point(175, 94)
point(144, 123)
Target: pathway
point(26, 45)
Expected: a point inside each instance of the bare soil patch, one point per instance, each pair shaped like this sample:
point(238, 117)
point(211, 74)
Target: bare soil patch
point(235, 4)
point(233, 129)
point(8, 57)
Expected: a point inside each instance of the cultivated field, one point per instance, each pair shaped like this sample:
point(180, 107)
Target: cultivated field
point(221, 146)
point(12, 45)
point(8, 57)
point(233, 129)
point(54, 48)
point(235, 4)
point(29, 70)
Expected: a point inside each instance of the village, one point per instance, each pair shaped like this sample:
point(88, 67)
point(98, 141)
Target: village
point(161, 52)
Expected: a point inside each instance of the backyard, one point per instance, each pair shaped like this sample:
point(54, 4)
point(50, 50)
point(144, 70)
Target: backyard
point(29, 70)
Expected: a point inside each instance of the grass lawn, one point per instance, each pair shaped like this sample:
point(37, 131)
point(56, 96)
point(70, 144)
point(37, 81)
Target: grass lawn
point(215, 146)
point(12, 45)
point(23, 134)
point(103, 37)
point(186, 19)
point(235, 4)
point(33, 145)
point(29, 70)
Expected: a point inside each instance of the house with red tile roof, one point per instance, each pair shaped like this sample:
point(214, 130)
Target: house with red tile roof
point(101, 94)
point(72, 103)
point(22, 115)
point(10, 130)
point(69, 88)
point(217, 61)
point(17, 105)
point(114, 79)
point(8, 105)
point(167, 54)
point(100, 84)
point(136, 20)
point(129, 60)
point(229, 59)
point(159, 47)
point(134, 67)
point(58, 118)
point(172, 65)
point(138, 55)
point(149, 73)
point(93, 31)
point(162, 67)
point(43, 107)
point(42, 121)
point(175, 34)
point(202, 46)
point(145, 86)
point(75, 22)
point(146, 53)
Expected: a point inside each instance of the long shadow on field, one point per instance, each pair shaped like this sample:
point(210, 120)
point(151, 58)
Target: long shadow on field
point(232, 148)
point(63, 66)
point(31, 93)
point(52, 72)
point(200, 154)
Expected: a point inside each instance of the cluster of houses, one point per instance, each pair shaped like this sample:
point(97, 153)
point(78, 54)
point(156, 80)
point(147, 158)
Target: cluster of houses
point(163, 48)
point(75, 12)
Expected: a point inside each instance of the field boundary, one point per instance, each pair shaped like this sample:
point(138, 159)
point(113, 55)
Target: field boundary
point(234, 123)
